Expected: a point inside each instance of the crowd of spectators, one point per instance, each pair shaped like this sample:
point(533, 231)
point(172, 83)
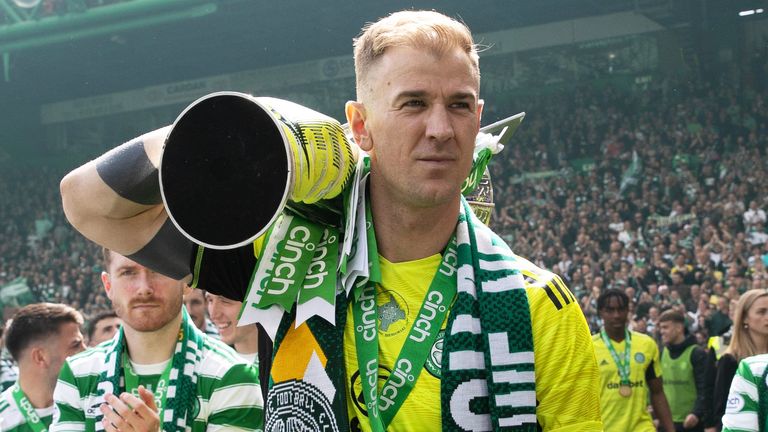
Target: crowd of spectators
point(659, 191)
point(667, 200)
point(37, 244)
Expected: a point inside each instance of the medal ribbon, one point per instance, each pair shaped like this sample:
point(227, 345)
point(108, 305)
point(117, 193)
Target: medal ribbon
point(160, 392)
point(27, 410)
point(622, 367)
point(383, 407)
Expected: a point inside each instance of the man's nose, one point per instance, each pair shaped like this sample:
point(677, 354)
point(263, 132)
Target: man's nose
point(145, 283)
point(439, 125)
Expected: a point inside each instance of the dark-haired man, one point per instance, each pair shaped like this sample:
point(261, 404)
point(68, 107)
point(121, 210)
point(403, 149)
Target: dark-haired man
point(103, 327)
point(40, 337)
point(197, 304)
point(628, 361)
point(9, 370)
point(249, 341)
point(160, 371)
point(684, 365)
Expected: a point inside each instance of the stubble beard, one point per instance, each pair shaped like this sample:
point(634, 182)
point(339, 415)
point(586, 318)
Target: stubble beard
point(149, 320)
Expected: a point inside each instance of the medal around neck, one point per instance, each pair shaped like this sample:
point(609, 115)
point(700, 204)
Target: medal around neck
point(625, 390)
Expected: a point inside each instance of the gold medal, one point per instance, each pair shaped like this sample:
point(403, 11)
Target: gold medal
point(625, 390)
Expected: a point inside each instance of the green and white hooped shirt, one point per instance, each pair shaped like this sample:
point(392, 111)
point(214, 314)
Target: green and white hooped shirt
point(744, 407)
point(13, 420)
point(228, 392)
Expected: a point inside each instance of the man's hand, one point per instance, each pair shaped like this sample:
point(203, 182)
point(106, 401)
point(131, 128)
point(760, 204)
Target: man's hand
point(129, 413)
point(691, 420)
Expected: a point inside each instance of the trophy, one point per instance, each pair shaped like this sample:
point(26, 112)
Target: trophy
point(232, 163)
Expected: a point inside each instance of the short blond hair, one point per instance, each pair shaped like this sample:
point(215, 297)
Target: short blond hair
point(426, 30)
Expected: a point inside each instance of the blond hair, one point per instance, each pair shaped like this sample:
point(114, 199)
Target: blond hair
point(742, 345)
point(428, 30)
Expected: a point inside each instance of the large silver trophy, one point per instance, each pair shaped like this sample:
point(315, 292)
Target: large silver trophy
point(232, 163)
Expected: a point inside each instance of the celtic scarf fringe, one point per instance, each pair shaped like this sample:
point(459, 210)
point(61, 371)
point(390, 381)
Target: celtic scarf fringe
point(488, 380)
point(182, 388)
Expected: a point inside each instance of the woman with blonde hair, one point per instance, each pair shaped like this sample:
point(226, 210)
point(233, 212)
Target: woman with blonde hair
point(749, 338)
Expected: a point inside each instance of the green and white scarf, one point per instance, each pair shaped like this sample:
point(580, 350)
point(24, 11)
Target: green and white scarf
point(179, 394)
point(488, 380)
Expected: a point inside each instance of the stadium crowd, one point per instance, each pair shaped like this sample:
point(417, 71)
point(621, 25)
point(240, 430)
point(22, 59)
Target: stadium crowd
point(659, 192)
point(686, 230)
point(37, 244)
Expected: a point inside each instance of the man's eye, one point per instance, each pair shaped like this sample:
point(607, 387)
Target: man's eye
point(414, 103)
point(460, 105)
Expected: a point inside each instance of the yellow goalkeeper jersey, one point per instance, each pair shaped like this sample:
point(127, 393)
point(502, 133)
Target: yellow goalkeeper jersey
point(566, 372)
point(627, 413)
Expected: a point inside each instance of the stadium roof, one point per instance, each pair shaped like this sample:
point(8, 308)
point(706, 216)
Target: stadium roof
point(242, 35)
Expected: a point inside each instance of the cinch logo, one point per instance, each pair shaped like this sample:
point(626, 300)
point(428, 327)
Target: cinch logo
point(371, 374)
point(161, 388)
point(316, 272)
point(368, 305)
point(734, 404)
point(423, 323)
point(29, 410)
point(397, 379)
point(291, 253)
point(450, 261)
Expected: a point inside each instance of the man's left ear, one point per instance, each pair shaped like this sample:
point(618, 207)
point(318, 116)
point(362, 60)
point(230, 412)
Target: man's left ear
point(480, 105)
point(39, 356)
point(356, 116)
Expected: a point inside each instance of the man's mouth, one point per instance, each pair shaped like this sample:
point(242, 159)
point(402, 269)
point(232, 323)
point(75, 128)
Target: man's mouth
point(436, 159)
point(223, 326)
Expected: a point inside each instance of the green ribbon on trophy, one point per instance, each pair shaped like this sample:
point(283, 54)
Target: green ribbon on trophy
point(296, 240)
point(26, 409)
point(317, 295)
point(625, 385)
point(296, 266)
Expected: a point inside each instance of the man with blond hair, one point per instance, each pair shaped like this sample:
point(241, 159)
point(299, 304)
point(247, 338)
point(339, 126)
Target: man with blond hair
point(449, 330)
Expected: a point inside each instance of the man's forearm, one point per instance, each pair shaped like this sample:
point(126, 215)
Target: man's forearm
point(699, 361)
point(115, 201)
point(662, 411)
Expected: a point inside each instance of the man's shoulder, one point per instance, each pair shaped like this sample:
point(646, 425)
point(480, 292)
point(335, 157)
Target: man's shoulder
point(223, 370)
point(10, 416)
point(5, 401)
point(545, 289)
point(643, 341)
point(92, 361)
point(219, 358)
point(756, 364)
